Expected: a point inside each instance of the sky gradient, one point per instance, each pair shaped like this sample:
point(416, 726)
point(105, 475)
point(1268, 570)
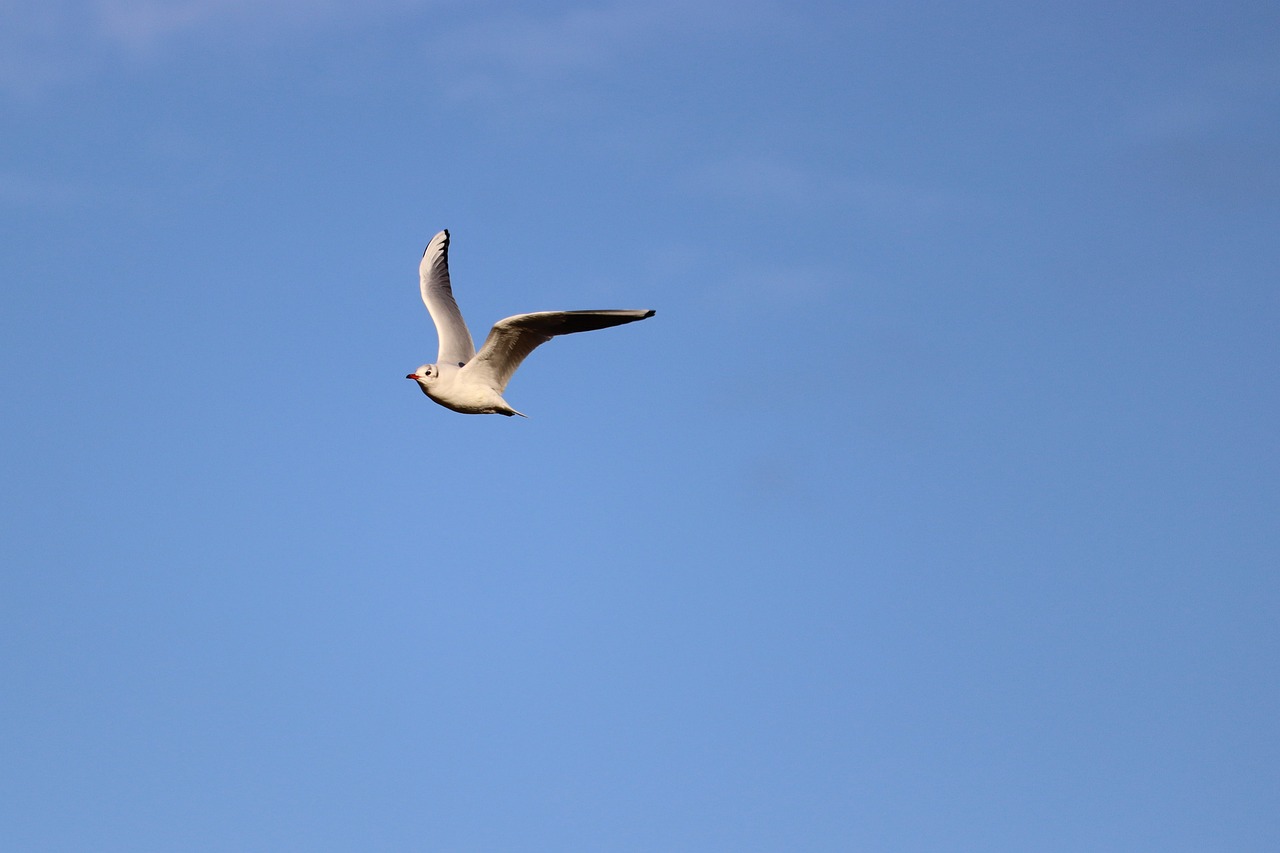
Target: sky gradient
point(934, 510)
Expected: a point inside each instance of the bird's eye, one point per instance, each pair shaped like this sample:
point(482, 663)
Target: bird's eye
point(461, 363)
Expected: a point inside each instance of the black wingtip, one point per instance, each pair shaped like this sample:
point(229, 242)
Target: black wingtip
point(446, 242)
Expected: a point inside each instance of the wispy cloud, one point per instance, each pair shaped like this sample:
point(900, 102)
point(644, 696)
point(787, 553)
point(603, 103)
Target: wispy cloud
point(1221, 96)
point(757, 178)
point(34, 37)
point(512, 49)
point(734, 282)
point(1212, 141)
point(771, 180)
point(33, 192)
point(580, 38)
point(785, 284)
point(144, 24)
point(138, 25)
point(489, 48)
point(47, 42)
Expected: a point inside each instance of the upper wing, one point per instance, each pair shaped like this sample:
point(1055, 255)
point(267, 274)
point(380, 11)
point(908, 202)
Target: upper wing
point(456, 346)
point(512, 339)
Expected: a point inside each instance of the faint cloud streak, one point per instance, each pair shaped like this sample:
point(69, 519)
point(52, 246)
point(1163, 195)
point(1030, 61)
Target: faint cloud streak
point(141, 25)
point(44, 43)
point(1229, 94)
point(36, 42)
point(511, 49)
point(772, 181)
point(578, 39)
point(39, 193)
point(1212, 142)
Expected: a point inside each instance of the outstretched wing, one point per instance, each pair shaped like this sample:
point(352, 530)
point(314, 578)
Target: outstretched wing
point(456, 346)
point(512, 339)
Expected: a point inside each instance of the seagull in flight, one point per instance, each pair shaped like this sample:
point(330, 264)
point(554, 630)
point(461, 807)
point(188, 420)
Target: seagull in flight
point(472, 382)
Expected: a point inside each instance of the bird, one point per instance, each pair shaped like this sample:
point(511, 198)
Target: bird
point(473, 382)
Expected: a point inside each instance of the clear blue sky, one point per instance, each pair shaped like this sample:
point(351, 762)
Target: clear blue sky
point(936, 509)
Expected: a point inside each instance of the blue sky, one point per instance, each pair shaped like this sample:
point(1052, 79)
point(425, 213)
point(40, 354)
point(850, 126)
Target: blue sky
point(935, 509)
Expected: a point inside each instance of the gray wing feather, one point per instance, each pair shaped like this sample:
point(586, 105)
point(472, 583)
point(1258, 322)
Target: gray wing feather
point(512, 339)
point(456, 346)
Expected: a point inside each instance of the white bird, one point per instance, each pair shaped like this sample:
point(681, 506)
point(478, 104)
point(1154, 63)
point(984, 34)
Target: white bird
point(472, 382)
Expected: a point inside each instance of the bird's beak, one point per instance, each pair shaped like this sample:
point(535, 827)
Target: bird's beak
point(412, 376)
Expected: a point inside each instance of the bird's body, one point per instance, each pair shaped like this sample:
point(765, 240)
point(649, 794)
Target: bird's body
point(473, 382)
point(443, 385)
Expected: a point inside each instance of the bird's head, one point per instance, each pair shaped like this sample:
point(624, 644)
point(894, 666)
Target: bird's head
point(424, 376)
